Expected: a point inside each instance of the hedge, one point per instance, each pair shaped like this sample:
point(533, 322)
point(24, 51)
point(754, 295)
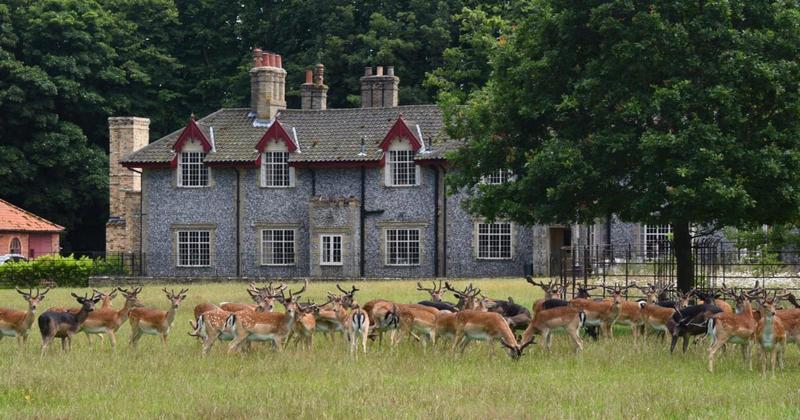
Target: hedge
point(63, 271)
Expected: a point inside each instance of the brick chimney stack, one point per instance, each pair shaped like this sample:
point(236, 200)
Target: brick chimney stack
point(314, 92)
point(379, 90)
point(126, 135)
point(267, 84)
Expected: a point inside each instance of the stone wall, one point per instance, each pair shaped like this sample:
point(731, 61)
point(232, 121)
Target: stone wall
point(126, 135)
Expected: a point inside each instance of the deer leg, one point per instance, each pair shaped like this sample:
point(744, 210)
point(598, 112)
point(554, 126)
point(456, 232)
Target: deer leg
point(576, 339)
point(685, 343)
point(46, 342)
point(136, 334)
point(464, 343)
point(364, 335)
point(234, 345)
point(64, 344)
point(548, 338)
point(749, 346)
point(164, 340)
point(712, 352)
point(112, 337)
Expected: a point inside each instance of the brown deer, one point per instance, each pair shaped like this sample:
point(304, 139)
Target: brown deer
point(155, 321)
point(738, 328)
point(655, 316)
point(598, 313)
point(467, 298)
point(472, 325)
point(357, 327)
point(552, 290)
point(567, 318)
point(265, 326)
point(305, 324)
point(267, 306)
point(107, 320)
point(383, 317)
point(15, 323)
point(625, 312)
point(771, 335)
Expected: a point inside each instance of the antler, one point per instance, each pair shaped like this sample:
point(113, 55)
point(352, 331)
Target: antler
point(293, 294)
point(25, 295)
point(431, 291)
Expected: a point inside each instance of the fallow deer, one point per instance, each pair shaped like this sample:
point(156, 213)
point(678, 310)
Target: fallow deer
point(416, 322)
point(598, 313)
point(467, 298)
point(155, 321)
point(551, 292)
point(690, 321)
point(383, 317)
point(472, 325)
point(15, 323)
point(210, 327)
point(357, 327)
point(107, 320)
point(738, 328)
point(517, 316)
point(306, 324)
point(254, 292)
point(655, 316)
point(265, 326)
point(771, 335)
point(64, 325)
point(567, 318)
point(202, 308)
point(436, 301)
point(625, 312)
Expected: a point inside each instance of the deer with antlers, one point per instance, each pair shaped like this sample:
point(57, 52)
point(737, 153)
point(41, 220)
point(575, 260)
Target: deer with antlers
point(64, 325)
point(155, 321)
point(467, 298)
point(598, 313)
point(15, 323)
point(107, 321)
point(551, 292)
point(771, 335)
point(738, 328)
point(254, 292)
point(265, 326)
point(436, 301)
point(306, 324)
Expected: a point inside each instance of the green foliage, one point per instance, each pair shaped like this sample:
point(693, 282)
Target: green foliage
point(63, 271)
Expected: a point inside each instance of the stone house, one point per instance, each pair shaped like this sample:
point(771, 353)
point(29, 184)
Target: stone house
point(27, 234)
point(267, 191)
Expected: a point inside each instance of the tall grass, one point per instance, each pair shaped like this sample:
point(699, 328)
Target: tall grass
point(610, 379)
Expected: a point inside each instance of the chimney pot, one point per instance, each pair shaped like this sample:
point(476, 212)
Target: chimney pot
point(309, 76)
point(270, 60)
point(257, 57)
point(278, 61)
point(390, 70)
point(367, 71)
point(319, 74)
point(379, 71)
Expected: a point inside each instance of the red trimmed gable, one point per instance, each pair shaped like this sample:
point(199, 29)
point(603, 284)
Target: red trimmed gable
point(400, 129)
point(275, 131)
point(192, 131)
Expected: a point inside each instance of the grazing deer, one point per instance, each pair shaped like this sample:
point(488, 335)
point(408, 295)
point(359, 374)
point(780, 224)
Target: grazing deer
point(436, 293)
point(107, 320)
point(265, 326)
point(738, 328)
point(771, 335)
point(154, 321)
point(18, 323)
point(472, 325)
point(567, 318)
point(202, 308)
point(64, 325)
point(416, 322)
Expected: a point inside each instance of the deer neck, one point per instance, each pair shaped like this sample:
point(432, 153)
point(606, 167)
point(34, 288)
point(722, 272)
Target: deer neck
point(29, 317)
point(170, 316)
point(82, 315)
point(122, 314)
point(747, 310)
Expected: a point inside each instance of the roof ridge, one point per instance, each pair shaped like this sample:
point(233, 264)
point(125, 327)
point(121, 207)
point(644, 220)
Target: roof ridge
point(360, 109)
point(41, 219)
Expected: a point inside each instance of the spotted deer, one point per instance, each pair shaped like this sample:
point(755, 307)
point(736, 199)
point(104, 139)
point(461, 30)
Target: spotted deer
point(107, 321)
point(472, 325)
point(737, 328)
point(15, 323)
point(155, 321)
point(250, 325)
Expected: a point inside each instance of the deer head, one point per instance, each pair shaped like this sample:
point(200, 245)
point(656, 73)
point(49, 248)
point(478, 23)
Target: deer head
point(467, 298)
point(583, 292)
point(291, 302)
point(617, 291)
point(131, 296)
point(348, 298)
point(87, 303)
point(106, 297)
point(551, 289)
point(33, 300)
point(435, 292)
point(175, 298)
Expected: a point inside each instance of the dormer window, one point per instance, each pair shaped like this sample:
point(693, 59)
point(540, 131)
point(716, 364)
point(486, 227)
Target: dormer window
point(401, 169)
point(192, 172)
point(275, 169)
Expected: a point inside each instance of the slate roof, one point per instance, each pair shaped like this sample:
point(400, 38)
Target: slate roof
point(332, 135)
point(15, 219)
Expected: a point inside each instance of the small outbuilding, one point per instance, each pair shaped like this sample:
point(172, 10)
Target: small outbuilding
point(25, 233)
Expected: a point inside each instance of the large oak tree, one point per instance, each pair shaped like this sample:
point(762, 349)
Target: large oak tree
point(680, 112)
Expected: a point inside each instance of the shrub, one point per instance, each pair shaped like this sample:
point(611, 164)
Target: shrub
point(63, 271)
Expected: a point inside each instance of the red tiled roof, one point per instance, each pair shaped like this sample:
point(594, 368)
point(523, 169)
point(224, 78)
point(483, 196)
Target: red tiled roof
point(13, 218)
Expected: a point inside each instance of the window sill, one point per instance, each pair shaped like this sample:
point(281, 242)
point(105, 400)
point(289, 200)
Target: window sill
point(494, 259)
point(331, 264)
point(193, 187)
point(401, 265)
point(278, 265)
point(193, 266)
point(276, 187)
point(402, 186)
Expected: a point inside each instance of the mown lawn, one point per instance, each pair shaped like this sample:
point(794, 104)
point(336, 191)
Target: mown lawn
point(611, 379)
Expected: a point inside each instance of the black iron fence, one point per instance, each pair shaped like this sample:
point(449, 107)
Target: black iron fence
point(714, 262)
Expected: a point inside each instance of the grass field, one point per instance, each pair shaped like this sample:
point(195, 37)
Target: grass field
point(611, 379)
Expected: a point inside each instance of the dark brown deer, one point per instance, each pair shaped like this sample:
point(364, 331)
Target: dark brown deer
point(65, 325)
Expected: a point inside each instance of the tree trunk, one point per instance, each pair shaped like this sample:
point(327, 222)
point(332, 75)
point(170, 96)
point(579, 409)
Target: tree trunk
point(682, 243)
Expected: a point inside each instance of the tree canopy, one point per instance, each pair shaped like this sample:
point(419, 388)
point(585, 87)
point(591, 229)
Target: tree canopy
point(665, 112)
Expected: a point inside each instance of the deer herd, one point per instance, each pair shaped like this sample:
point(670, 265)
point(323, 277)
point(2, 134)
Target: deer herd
point(756, 319)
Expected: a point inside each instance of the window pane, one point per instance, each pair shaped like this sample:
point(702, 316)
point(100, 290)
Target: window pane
point(494, 241)
point(276, 169)
point(402, 167)
point(194, 173)
point(277, 247)
point(194, 248)
point(402, 246)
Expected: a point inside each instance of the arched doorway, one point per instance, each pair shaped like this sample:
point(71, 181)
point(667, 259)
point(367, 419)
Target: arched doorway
point(16, 246)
